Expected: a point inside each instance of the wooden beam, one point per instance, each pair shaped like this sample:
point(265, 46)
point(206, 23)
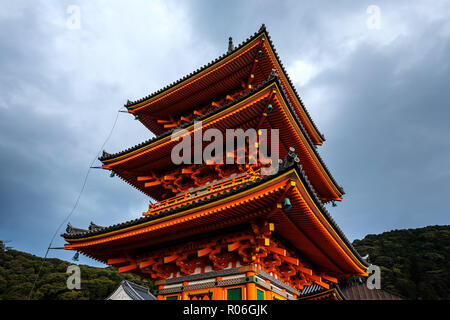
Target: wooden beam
point(128, 268)
point(151, 184)
point(261, 120)
point(253, 68)
point(270, 227)
point(171, 125)
point(323, 284)
point(263, 242)
point(145, 264)
point(117, 261)
point(203, 252)
point(252, 75)
point(277, 250)
point(233, 246)
point(305, 270)
point(145, 178)
point(290, 260)
point(171, 258)
point(329, 278)
point(315, 277)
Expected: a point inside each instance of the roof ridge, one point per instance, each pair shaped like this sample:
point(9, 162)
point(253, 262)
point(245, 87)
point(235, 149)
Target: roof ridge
point(292, 85)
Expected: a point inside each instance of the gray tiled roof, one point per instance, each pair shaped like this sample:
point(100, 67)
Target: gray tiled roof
point(362, 292)
point(315, 289)
point(312, 289)
point(136, 292)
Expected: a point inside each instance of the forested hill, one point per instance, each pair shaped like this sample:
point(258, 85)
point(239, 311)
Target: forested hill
point(415, 263)
point(18, 271)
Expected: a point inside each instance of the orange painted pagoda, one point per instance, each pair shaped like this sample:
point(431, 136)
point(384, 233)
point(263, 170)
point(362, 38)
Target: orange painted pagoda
point(226, 231)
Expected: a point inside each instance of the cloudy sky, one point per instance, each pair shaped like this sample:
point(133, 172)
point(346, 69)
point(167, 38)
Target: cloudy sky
point(376, 88)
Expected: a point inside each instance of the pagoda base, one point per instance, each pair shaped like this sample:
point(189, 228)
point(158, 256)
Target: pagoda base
point(240, 283)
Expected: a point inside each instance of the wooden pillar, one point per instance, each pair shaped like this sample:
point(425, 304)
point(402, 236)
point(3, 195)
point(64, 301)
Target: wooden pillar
point(160, 296)
point(268, 293)
point(251, 287)
point(218, 291)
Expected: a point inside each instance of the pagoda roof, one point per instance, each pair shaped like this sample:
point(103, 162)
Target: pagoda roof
point(109, 160)
point(320, 228)
point(137, 107)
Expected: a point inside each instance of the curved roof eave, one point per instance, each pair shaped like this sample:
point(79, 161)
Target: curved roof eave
point(220, 196)
point(108, 157)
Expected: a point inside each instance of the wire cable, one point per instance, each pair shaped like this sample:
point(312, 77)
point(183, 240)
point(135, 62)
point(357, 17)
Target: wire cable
point(75, 205)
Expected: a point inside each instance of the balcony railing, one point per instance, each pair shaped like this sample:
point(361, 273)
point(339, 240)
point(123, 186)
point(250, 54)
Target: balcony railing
point(203, 191)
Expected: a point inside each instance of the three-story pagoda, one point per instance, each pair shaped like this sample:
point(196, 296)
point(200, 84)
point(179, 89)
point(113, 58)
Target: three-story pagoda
point(225, 231)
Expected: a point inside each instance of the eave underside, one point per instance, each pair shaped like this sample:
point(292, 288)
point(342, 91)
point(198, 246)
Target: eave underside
point(305, 226)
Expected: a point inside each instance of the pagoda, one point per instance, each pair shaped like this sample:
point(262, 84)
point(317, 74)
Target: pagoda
point(216, 230)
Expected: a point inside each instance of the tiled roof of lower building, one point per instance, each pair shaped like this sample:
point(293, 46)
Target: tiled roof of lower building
point(362, 292)
point(137, 292)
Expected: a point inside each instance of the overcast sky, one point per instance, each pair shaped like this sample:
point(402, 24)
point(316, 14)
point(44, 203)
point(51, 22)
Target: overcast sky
point(379, 92)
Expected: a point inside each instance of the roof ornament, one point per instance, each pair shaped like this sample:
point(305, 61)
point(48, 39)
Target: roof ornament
point(291, 159)
point(263, 28)
point(93, 227)
point(72, 230)
point(273, 75)
point(128, 103)
point(230, 44)
point(105, 154)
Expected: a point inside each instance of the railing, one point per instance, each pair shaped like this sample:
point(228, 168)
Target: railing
point(203, 191)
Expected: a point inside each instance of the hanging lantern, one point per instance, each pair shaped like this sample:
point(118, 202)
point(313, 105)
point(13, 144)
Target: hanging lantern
point(287, 204)
point(269, 108)
point(75, 257)
point(112, 174)
point(136, 117)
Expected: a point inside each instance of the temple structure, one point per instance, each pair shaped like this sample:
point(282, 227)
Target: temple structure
point(226, 231)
